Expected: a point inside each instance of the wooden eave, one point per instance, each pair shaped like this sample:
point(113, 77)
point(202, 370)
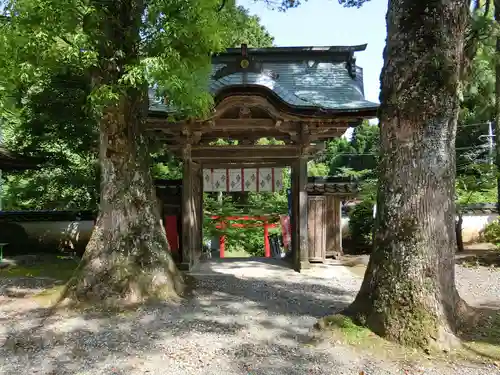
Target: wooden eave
point(247, 154)
point(248, 118)
point(327, 53)
point(298, 112)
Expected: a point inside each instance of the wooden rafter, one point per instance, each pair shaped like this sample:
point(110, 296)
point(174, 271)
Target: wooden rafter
point(245, 164)
point(246, 153)
point(238, 101)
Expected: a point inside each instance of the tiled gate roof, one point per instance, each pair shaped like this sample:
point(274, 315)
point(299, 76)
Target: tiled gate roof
point(321, 77)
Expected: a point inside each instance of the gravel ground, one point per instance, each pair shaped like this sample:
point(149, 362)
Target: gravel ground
point(244, 319)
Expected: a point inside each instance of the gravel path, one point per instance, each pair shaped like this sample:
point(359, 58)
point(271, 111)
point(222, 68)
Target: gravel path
point(244, 319)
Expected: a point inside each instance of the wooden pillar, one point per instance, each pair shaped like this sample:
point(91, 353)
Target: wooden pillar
point(188, 210)
point(299, 212)
point(197, 241)
point(201, 218)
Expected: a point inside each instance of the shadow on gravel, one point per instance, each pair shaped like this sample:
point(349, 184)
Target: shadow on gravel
point(219, 321)
point(481, 332)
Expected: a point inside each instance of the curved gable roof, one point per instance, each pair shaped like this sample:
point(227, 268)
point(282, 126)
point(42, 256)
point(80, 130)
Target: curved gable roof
point(325, 78)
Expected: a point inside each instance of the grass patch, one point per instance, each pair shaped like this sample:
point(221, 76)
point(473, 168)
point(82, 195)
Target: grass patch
point(54, 271)
point(351, 332)
point(482, 338)
point(48, 297)
point(482, 345)
point(342, 330)
point(56, 267)
point(237, 253)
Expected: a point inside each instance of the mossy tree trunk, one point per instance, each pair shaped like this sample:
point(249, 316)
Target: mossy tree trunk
point(127, 258)
point(408, 294)
point(497, 101)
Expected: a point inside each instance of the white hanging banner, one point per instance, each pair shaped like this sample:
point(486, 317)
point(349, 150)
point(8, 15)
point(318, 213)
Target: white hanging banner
point(250, 179)
point(220, 180)
point(243, 179)
point(235, 179)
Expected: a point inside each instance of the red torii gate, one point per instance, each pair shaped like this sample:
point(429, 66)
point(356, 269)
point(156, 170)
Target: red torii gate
point(265, 224)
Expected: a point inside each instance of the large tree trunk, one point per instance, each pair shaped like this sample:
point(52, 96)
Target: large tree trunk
point(497, 104)
point(408, 294)
point(127, 258)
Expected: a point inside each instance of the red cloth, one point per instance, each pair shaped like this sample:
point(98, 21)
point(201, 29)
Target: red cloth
point(172, 235)
point(286, 230)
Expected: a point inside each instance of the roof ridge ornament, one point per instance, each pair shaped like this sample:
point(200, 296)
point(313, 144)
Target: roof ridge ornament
point(244, 64)
point(351, 65)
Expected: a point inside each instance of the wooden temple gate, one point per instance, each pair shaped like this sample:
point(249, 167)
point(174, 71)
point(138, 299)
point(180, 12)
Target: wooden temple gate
point(298, 96)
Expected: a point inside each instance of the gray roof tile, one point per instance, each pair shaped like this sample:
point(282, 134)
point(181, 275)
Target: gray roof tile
point(299, 83)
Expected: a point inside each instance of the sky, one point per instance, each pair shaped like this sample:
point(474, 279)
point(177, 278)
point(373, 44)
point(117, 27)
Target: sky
point(326, 23)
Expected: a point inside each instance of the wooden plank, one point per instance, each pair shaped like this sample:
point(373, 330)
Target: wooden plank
point(247, 152)
point(331, 226)
point(245, 164)
point(334, 226)
point(317, 228)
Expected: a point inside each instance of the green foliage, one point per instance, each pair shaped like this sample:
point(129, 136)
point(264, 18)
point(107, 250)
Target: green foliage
point(53, 123)
point(476, 184)
point(361, 225)
point(245, 28)
point(360, 153)
point(317, 169)
point(46, 92)
point(478, 93)
point(367, 182)
point(492, 233)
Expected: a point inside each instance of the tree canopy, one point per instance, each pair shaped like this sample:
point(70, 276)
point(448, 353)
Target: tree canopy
point(52, 117)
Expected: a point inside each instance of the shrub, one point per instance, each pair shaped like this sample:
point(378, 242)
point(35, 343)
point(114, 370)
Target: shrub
point(492, 233)
point(361, 224)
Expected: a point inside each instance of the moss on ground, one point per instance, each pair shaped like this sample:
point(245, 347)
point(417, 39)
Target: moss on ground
point(341, 329)
point(56, 267)
point(481, 345)
point(56, 270)
point(481, 337)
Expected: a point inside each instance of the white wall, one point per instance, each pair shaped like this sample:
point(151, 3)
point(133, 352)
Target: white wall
point(74, 234)
point(68, 234)
point(472, 226)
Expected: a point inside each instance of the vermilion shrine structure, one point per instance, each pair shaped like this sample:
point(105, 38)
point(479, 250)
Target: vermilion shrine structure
point(299, 96)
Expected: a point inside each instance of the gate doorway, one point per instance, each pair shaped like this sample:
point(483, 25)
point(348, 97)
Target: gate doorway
point(294, 98)
point(268, 247)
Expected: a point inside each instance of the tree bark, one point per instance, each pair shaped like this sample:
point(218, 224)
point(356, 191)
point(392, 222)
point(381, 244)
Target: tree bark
point(497, 103)
point(408, 294)
point(127, 258)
